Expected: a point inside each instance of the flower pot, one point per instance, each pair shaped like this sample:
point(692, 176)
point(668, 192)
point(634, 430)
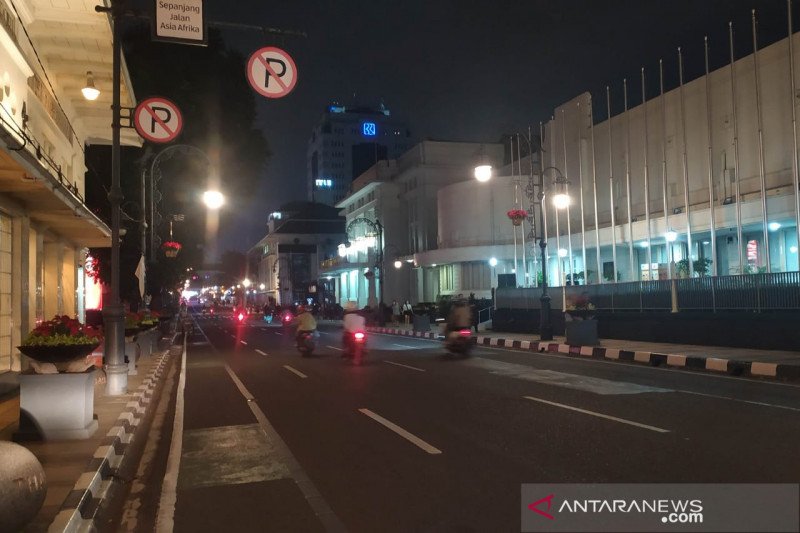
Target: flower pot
point(581, 332)
point(63, 353)
point(171, 252)
point(516, 221)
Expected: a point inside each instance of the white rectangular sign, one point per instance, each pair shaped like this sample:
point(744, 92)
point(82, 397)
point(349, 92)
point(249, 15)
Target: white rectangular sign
point(179, 21)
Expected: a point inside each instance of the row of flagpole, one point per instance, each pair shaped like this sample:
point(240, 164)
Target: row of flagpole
point(686, 207)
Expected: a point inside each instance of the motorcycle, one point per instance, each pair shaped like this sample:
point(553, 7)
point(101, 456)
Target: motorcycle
point(459, 342)
point(305, 343)
point(240, 316)
point(355, 346)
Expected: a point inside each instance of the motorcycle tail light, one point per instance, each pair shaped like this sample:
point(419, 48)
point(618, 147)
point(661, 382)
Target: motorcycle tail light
point(465, 333)
point(359, 336)
point(241, 317)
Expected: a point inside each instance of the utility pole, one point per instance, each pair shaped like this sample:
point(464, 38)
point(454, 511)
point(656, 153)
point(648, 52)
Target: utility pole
point(113, 311)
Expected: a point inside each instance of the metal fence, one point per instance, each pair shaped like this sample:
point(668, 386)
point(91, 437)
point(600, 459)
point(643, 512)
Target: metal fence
point(753, 292)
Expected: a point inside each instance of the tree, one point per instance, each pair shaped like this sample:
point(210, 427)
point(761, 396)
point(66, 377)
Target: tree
point(218, 106)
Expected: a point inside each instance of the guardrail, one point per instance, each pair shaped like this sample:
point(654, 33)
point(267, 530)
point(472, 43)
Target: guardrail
point(750, 292)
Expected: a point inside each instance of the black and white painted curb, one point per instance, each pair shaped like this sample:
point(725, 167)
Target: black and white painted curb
point(81, 506)
point(713, 364)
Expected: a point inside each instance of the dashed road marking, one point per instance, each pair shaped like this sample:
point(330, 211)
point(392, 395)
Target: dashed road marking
point(260, 352)
point(402, 432)
point(599, 415)
point(334, 348)
point(295, 371)
point(406, 366)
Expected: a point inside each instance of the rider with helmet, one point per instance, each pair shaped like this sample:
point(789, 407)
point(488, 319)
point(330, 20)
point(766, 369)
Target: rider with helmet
point(304, 321)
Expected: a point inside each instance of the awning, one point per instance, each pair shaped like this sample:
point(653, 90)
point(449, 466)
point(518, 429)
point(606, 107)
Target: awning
point(46, 199)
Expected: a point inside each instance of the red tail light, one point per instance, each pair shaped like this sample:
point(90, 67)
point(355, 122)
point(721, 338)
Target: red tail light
point(359, 336)
point(212, 311)
point(241, 317)
point(465, 333)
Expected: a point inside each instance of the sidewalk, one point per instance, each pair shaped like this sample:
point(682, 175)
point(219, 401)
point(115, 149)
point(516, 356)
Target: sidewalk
point(79, 472)
point(774, 364)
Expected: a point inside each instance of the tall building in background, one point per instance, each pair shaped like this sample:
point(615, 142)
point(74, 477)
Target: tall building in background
point(346, 142)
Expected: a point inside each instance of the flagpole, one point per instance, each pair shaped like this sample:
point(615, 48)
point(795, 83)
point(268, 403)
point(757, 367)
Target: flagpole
point(594, 192)
point(611, 187)
point(647, 184)
point(739, 237)
point(795, 163)
point(634, 274)
point(580, 188)
point(664, 191)
point(685, 169)
point(566, 190)
point(760, 126)
point(711, 203)
point(555, 211)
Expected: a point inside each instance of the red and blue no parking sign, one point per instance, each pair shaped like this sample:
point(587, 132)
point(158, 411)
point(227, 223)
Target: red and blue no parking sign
point(158, 120)
point(272, 72)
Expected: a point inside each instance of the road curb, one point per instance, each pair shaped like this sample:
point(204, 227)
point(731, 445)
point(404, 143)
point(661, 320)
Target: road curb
point(733, 367)
point(81, 507)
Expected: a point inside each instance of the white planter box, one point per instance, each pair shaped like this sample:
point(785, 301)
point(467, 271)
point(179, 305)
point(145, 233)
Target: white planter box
point(56, 406)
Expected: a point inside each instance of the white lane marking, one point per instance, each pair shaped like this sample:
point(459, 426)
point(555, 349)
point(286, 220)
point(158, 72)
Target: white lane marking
point(233, 336)
point(295, 371)
point(731, 398)
point(260, 352)
point(406, 366)
point(165, 517)
point(404, 346)
point(278, 333)
point(600, 415)
point(329, 520)
point(243, 342)
point(335, 348)
point(402, 432)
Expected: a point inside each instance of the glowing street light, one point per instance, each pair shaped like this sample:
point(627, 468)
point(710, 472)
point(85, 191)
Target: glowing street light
point(213, 199)
point(561, 200)
point(493, 262)
point(398, 264)
point(246, 282)
point(262, 286)
point(483, 173)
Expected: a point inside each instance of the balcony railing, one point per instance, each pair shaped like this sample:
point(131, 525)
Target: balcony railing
point(753, 292)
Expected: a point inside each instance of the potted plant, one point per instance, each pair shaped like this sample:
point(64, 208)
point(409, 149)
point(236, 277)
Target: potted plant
point(60, 340)
point(580, 321)
point(132, 324)
point(517, 216)
point(171, 248)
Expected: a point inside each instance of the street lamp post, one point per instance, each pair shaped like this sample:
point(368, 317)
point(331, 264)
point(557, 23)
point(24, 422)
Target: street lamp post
point(536, 196)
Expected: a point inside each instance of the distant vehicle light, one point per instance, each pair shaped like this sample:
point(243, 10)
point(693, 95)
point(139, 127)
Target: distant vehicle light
point(465, 333)
point(241, 317)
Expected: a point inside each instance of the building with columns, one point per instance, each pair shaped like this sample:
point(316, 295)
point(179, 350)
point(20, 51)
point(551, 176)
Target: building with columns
point(45, 122)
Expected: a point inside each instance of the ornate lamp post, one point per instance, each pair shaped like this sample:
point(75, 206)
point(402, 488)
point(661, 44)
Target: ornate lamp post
point(536, 192)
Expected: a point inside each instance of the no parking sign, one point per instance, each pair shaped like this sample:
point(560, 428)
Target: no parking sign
point(158, 120)
point(272, 72)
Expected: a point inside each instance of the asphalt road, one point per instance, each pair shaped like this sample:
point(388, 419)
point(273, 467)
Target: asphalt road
point(415, 441)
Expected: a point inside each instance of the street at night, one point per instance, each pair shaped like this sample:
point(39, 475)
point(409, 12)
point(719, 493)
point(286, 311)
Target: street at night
point(419, 266)
point(465, 433)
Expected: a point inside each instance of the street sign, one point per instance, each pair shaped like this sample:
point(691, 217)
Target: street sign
point(158, 120)
point(179, 21)
point(272, 72)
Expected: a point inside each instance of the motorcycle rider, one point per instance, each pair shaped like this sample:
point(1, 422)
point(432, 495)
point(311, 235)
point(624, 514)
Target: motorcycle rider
point(305, 322)
point(460, 316)
point(353, 321)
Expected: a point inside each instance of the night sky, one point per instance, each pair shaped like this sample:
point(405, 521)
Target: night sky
point(469, 70)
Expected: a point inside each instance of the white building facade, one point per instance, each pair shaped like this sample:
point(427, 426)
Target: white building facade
point(685, 175)
point(45, 122)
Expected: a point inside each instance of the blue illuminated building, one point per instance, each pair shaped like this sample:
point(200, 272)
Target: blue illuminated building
point(345, 142)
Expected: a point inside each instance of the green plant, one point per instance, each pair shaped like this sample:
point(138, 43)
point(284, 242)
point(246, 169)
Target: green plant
point(61, 331)
point(580, 307)
point(700, 266)
point(752, 269)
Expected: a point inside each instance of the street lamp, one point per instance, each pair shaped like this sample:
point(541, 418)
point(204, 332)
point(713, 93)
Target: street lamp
point(213, 199)
point(536, 195)
point(398, 264)
point(483, 173)
point(246, 282)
